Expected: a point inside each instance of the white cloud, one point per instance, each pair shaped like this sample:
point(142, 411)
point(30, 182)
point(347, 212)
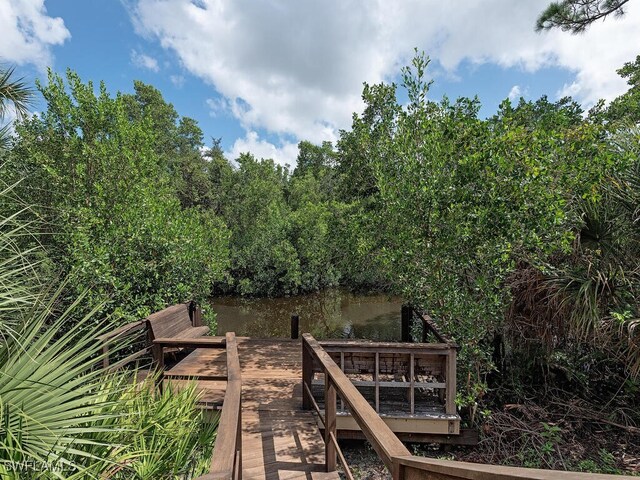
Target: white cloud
point(28, 32)
point(297, 67)
point(177, 80)
point(142, 60)
point(218, 106)
point(251, 143)
point(515, 93)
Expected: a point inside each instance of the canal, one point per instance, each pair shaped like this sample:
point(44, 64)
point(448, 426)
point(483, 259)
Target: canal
point(331, 313)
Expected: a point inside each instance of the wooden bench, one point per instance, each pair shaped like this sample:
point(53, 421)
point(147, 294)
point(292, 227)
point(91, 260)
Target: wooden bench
point(177, 322)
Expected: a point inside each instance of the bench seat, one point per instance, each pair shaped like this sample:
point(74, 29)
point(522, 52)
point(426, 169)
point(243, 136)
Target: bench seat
point(193, 332)
point(174, 322)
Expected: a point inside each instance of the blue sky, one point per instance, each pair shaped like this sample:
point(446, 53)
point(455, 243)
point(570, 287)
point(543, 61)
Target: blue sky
point(264, 74)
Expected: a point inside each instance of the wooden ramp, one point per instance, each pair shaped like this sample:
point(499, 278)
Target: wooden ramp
point(279, 439)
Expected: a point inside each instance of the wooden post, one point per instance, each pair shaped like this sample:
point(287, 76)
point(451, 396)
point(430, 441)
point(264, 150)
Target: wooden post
point(195, 314)
point(450, 406)
point(412, 386)
point(330, 406)
point(405, 316)
point(295, 326)
point(307, 375)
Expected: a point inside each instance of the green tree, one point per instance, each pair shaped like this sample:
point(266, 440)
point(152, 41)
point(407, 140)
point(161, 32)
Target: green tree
point(576, 15)
point(461, 204)
point(263, 259)
point(178, 144)
point(624, 110)
point(108, 198)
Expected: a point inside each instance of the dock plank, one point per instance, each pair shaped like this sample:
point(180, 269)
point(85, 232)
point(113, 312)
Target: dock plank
point(279, 439)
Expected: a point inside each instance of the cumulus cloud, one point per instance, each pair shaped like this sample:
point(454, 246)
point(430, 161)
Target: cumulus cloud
point(515, 93)
point(297, 67)
point(251, 143)
point(142, 60)
point(28, 32)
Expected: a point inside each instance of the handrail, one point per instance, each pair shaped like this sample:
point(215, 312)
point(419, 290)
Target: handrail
point(396, 457)
point(421, 467)
point(428, 324)
point(383, 440)
point(226, 460)
point(109, 338)
point(446, 384)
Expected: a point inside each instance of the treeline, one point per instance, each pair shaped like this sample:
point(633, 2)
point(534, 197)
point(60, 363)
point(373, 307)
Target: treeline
point(136, 210)
point(519, 232)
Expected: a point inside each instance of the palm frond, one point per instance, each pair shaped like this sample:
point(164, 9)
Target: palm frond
point(15, 92)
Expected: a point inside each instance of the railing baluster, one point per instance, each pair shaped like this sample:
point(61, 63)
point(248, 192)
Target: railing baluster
point(450, 406)
point(330, 422)
point(343, 461)
point(341, 368)
point(376, 379)
point(412, 384)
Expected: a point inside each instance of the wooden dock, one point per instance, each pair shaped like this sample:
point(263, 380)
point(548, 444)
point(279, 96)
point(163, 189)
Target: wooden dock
point(269, 392)
point(279, 439)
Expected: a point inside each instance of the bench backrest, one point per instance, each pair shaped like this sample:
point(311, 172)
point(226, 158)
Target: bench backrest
point(170, 321)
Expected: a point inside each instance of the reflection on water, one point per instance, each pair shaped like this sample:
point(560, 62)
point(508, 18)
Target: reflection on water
point(332, 313)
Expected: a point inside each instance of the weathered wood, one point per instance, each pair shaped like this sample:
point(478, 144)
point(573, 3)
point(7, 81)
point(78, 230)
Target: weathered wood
point(134, 356)
point(430, 325)
point(367, 346)
point(229, 427)
point(376, 380)
point(307, 375)
point(105, 356)
point(413, 467)
point(343, 461)
point(195, 314)
point(450, 405)
point(383, 440)
point(316, 407)
point(412, 386)
point(330, 407)
point(113, 337)
point(121, 331)
point(467, 436)
point(200, 342)
point(175, 321)
point(399, 384)
point(279, 439)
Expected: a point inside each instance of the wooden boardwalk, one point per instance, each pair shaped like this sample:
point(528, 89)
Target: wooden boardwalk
point(279, 439)
point(265, 434)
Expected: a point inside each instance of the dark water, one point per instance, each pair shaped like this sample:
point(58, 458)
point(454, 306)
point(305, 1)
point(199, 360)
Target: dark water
point(332, 313)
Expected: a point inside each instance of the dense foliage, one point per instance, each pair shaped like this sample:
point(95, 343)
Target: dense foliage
point(518, 232)
point(105, 176)
point(61, 414)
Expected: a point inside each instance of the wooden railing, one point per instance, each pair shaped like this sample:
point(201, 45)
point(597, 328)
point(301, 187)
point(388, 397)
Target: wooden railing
point(429, 366)
point(336, 383)
point(428, 325)
point(120, 338)
point(226, 460)
point(396, 457)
